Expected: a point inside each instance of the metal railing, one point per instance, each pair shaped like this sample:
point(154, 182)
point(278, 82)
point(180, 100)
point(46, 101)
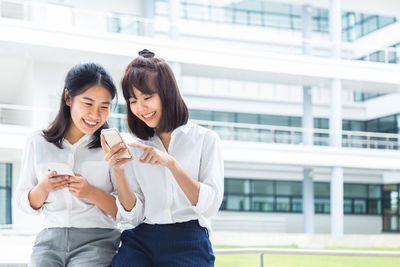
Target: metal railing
point(293, 135)
point(30, 116)
point(64, 16)
point(314, 252)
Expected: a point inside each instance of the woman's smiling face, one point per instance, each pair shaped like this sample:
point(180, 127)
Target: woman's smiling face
point(147, 107)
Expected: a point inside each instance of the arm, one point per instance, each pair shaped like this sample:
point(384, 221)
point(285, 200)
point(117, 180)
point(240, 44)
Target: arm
point(31, 194)
point(130, 197)
point(79, 187)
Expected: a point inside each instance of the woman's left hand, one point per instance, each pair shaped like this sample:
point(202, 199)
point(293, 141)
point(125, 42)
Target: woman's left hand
point(152, 155)
point(79, 186)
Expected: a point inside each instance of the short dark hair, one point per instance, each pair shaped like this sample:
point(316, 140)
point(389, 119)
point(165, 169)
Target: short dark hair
point(150, 75)
point(79, 79)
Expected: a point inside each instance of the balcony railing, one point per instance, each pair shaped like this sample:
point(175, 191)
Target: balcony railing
point(293, 135)
point(65, 17)
point(34, 117)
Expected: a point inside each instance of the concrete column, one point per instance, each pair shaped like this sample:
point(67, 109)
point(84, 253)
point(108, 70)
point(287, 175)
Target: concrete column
point(335, 120)
point(308, 125)
point(148, 14)
point(173, 19)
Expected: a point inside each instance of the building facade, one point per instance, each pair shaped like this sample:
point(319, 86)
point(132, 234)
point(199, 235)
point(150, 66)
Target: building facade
point(298, 156)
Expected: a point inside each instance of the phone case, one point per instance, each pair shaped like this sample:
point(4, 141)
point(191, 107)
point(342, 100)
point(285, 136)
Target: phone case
point(61, 168)
point(113, 138)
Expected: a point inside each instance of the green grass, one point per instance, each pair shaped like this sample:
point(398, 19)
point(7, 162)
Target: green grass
point(250, 260)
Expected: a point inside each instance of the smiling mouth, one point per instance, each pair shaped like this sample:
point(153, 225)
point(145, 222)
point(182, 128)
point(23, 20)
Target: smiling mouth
point(90, 124)
point(149, 116)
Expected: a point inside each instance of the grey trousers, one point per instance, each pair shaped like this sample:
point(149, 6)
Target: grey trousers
point(70, 247)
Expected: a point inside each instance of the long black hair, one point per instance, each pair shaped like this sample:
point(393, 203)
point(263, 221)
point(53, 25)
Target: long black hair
point(79, 79)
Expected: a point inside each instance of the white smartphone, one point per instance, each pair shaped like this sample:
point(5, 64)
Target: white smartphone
point(61, 168)
point(113, 137)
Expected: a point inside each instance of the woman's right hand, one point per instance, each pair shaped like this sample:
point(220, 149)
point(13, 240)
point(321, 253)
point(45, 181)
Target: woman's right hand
point(113, 155)
point(52, 182)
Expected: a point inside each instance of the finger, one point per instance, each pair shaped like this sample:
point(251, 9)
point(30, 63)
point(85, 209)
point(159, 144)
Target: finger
point(153, 160)
point(138, 145)
point(122, 162)
point(55, 180)
point(104, 145)
point(52, 174)
point(121, 153)
point(146, 155)
point(117, 148)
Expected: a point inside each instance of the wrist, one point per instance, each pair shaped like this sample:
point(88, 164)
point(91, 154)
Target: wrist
point(171, 162)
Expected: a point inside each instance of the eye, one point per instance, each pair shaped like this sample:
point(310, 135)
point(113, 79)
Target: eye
point(148, 97)
point(88, 104)
point(132, 101)
point(105, 108)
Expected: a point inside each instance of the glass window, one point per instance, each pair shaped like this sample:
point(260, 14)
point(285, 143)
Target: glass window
point(224, 116)
point(247, 118)
point(282, 204)
point(260, 203)
point(360, 206)
point(234, 202)
point(374, 206)
point(263, 187)
point(370, 24)
point(274, 120)
point(322, 189)
point(355, 190)
point(197, 114)
point(297, 204)
point(357, 126)
point(322, 205)
point(374, 191)
point(372, 125)
point(289, 188)
point(388, 124)
point(235, 186)
point(347, 206)
point(5, 193)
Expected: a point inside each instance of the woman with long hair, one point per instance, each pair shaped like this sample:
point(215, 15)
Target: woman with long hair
point(79, 210)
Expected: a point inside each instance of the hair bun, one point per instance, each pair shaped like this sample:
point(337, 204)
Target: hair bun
point(146, 53)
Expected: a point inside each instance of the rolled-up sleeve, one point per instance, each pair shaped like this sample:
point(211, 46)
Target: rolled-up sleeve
point(27, 179)
point(211, 177)
point(136, 215)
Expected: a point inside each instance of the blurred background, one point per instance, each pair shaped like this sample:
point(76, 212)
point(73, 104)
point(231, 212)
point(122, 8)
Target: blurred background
point(303, 93)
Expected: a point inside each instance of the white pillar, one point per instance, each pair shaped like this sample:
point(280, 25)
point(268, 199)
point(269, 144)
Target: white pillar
point(173, 19)
point(335, 120)
point(308, 125)
point(148, 14)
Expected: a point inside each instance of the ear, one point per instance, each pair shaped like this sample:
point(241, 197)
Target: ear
point(67, 98)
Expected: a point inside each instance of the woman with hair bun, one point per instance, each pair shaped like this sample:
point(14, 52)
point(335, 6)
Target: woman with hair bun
point(173, 184)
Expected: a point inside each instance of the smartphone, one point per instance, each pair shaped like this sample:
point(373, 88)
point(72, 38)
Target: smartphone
point(113, 137)
point(61, 168)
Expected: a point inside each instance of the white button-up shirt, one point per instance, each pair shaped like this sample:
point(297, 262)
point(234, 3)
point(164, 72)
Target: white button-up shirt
point(61, 208)
point(159, 198)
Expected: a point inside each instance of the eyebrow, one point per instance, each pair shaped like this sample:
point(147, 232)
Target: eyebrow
point(91, 99)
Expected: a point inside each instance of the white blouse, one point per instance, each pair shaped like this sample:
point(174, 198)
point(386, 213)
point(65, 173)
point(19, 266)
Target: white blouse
point(159, 198)
point(61, 208)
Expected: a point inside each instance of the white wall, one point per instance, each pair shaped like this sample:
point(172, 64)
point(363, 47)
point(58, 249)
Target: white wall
point(292, 223)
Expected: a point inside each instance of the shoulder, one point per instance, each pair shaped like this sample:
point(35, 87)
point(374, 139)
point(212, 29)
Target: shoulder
point(200, 132)
point(35, 137)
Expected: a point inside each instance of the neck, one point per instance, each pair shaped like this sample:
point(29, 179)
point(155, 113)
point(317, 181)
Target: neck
point(73, 134)
point(165, 139)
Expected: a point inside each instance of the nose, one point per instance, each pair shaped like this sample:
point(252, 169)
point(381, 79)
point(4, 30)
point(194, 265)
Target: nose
point(95, 113)
point(140, 107)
